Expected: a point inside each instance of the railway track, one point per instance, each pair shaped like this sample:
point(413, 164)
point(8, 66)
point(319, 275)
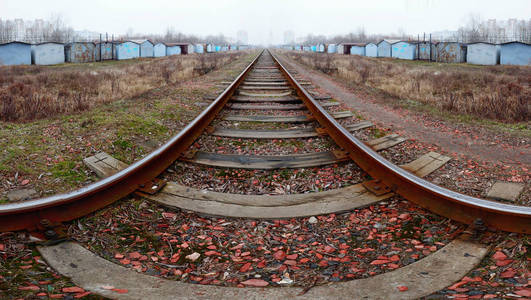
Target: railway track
point(267, 84)
point(263, 106)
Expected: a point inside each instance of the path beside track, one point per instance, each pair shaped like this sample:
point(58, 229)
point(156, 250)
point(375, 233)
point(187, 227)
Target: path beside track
point(410, 125)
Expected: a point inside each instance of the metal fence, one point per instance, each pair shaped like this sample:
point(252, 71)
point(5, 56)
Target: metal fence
point(36, 39)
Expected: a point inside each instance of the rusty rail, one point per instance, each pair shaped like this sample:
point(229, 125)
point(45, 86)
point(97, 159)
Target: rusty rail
point(65, 207)
point(459, 207)
point(450, 204)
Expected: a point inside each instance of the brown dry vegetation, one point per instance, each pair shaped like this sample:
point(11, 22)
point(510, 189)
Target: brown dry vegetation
point(35, 92)
point(46, 155)
point(498, 92)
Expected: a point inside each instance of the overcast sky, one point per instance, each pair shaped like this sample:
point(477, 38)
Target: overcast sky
point(265, 18)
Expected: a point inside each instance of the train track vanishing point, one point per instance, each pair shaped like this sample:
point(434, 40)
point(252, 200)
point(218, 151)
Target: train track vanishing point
point(44, 212)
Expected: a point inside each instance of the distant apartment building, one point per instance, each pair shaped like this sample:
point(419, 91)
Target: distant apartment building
point(242, 37)
point(20, 30)
point(289, 37)
point(85, 36)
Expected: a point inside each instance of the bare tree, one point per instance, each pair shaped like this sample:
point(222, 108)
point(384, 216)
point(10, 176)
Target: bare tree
point(7, 31)
point(129, 34)
point(54, 29)
point(402, 35)
point(170, 33)
point(494, 31)
point(360, 34)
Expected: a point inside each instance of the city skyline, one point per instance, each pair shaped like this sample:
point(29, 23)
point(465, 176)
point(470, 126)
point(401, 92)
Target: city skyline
point(262, 22)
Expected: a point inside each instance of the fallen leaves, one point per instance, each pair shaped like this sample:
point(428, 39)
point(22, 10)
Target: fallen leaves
point(402, 288)
point(509, 273)
point(279, 255)
point(523, 292)
point(73, 289)
point(404, 216)
point(504, 274)
point(337, 247)
point(211, 253)
point(206, 250)
point(29, 288)
point(81, 295)
point(59, 140)
point(255, 282)
point(245, 267)
point(380, 262)
point(502, 263)
point(292, 256)
point(394, 258)
point(169, 215)
point(290, 262)
point(283, 181)
point(499, 256)
point(107, 287)
point(329, 249)
point(193, 257)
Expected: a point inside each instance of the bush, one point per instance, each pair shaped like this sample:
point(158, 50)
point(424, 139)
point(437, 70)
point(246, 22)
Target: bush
point(494, 92)
point(34, 92)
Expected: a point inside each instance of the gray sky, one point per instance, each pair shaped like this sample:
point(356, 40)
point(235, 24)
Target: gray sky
point(260, 17)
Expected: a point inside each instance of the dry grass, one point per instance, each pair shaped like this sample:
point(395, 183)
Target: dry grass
point(499, 92)
point(35, 92)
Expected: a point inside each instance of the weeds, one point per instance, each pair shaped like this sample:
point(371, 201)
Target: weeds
point(35, 92)
point(495, 92)
point(68, 172)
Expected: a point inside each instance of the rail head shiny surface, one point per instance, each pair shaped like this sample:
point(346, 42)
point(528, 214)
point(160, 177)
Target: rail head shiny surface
point(75, 204)
point(445, 202)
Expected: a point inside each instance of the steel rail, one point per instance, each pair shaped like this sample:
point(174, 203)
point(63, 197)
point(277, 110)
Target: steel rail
point(76, 204)
point(442, 201)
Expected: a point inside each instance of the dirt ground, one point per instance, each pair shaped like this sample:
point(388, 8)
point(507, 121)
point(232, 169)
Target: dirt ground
point(44, 157)
point(475, 140)
point(482, 153)
point(128, 128)
point(140, 235)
